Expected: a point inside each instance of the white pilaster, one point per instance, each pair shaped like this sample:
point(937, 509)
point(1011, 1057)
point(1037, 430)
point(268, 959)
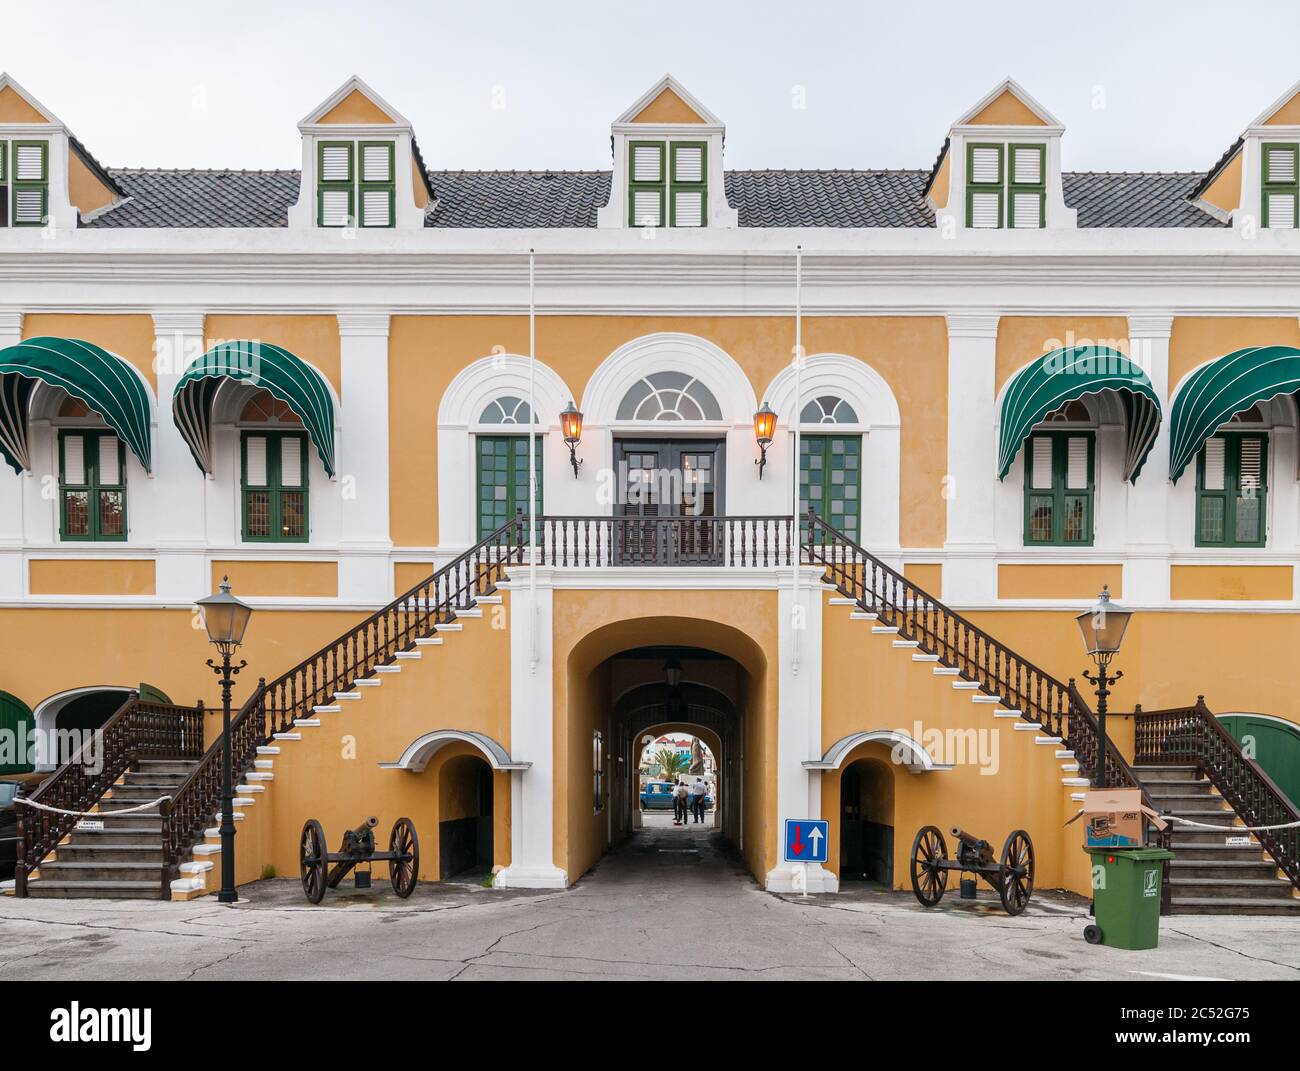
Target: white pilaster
point(1146, 572)
point(364, 571)
point(532, 739)
point(970, 573)
point(799, 729)
point(179, 485)
point(11, 489)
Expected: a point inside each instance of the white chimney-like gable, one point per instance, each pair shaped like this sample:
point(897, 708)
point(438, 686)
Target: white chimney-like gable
point(1002, 167)
point(360, 166)
point(667, 164)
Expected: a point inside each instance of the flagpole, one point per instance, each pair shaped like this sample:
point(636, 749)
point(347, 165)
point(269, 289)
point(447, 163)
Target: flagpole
point(796, 621)
point(532, 463)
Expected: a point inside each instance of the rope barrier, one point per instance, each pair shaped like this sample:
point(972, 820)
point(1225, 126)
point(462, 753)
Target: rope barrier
point(91, 814)
point(1227, 829)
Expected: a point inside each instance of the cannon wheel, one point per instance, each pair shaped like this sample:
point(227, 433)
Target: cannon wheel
point(404, 870)
point(311, 861)
point(1017, 872)
point(929, 879)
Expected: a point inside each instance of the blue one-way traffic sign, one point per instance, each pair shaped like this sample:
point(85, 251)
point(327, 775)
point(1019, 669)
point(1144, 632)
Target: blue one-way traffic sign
point(805, 840)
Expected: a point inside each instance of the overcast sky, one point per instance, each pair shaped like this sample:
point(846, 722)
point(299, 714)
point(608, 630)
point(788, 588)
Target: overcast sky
point(512, 84)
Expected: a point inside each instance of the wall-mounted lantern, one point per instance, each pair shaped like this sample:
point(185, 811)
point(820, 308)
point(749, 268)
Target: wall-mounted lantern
point(764, 430)
point(571, 425)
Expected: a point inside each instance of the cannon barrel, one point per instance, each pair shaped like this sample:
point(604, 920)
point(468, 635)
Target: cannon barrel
point(365, 826)
point(967, 838)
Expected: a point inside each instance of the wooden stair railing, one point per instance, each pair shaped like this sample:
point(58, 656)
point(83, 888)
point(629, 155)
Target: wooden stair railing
point(136, 731)
point(998, 670)
point(1193, 736)
point(275, 706)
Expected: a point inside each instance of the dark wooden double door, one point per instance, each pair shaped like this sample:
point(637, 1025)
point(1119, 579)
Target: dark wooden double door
point(670, 498)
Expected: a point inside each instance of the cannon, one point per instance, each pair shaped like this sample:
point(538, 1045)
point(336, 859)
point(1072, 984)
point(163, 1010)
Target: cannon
point(321, 869)
point(1011, 875)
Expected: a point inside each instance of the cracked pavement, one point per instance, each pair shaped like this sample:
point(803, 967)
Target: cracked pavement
point(671, 903)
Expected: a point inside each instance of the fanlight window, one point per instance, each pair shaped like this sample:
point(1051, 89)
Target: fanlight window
point(669, 396)
point(828, 410)
point(265, 408)
point(1074, 412)
point(506, 410)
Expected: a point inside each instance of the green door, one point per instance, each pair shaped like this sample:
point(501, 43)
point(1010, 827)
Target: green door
point(16, 722)
point(1274, 744)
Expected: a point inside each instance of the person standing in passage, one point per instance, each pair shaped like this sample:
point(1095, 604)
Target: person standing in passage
point(680, 793)
point(697, 800)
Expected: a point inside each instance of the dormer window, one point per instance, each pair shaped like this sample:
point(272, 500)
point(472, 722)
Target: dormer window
point(24, 183)
point(667, 181)
point(1281, 189)
point(355, 184)
point(1006, 185)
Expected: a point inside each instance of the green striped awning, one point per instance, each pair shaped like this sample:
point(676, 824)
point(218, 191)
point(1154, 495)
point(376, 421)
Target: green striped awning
point(108, 385)
point(1066, 375)
point(291, 379)
point(1218, 391)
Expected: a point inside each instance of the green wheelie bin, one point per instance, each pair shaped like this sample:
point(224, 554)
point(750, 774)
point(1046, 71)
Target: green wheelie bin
point(1126, 896)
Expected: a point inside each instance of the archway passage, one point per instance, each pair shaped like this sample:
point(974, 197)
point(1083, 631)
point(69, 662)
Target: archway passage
point(465, 819)
point(867, 822)
point(670, 757)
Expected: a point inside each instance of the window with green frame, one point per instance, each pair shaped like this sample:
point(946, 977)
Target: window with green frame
point(1006, 185)
point(92, 486)
point(355, 183)
point(1280, 195)
point(1231, 486)
point(273, 479)
point(830, 479)
point(24, 183)
point(502, 479)
point(667, 184)
point(1059, 485)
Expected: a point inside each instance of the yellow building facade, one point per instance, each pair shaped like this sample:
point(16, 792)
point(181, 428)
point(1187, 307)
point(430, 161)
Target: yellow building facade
point(997, 388)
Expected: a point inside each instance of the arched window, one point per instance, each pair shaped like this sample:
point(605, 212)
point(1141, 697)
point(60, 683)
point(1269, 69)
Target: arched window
point(265, 408)
point(669, 396)
point(828, 409)
point(506, 410)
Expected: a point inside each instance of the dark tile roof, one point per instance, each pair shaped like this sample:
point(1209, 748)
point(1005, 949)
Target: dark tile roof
point(202, 199)
point(1135, 199)
point(829, 198)
point(548, 199)
point(518, 198)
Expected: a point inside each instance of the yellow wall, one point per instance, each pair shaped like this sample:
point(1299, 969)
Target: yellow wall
point(1022, 339)
point(85, 189)
point(1059, 581)
point(1006, 110)
point(87, 576)
point(1197, 339)
point(1231, 582)
point(309, 579)
point(13, 109)
point(1287, 115)
point(313, 338)
point(942, 182)
point(1225, 191)
point(926, 575)
point(868, 684)
point(667, 107)
point(426, 353)
point(407, 574)
point(356, 107)
point(130, 337)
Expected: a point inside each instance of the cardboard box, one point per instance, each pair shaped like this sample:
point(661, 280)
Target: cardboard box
point(1116, 818)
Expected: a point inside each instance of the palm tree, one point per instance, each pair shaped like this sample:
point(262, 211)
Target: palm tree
point(671, 763)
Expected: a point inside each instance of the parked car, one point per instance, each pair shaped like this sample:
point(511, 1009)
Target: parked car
point(658, 796)
point(11, 787)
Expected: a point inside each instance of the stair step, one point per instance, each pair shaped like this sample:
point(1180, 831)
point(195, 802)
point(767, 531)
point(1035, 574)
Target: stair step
point(841, 600)
point(368, 682)
point(407, 655)
point(286, 736)
point(1233, 905)
point(907, 643)
point(1218, 853)
point(387, 669)
point(102, 871)
point(1246, 888)
point(925, 658)
point(488, 600)
point(78, 852)
point(884, 630)
point(1048, 740)
point(1220, 868)
point(300, 723)
point(268, 749)
point(945, 671)
point(863, 615)
point(1074, 782)
point(429, 641)
point(450, 627)
point(986, 699)
point(965, 686)
point(347, 697)
point(43, 888)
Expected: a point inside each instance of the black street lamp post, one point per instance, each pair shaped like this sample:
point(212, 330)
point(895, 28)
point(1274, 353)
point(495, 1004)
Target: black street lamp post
point(225, 619)
point(1103, 627)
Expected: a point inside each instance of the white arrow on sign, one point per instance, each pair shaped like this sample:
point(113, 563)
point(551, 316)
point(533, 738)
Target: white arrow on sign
point(815, 835)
